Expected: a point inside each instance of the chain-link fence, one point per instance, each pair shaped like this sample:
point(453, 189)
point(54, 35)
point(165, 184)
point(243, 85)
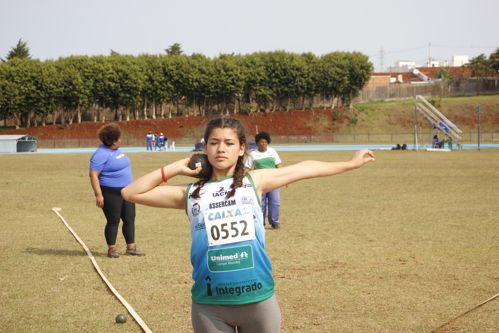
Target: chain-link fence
point(357, 138)
point(464, 87)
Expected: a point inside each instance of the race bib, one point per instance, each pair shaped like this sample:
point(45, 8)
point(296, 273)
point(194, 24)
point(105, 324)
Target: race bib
point(229, 225)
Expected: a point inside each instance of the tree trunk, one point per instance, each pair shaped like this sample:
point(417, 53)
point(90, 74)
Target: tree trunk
point(119, 113)
point(18, 120)
point(203, 110)
point(63, 117)
point(28, 119)
point(71, 116)
point(78, 114)
point(95, 111)
point(127, 114)
point(162, 110)
point(153, 109)
point(145, 107)
point(44, 118)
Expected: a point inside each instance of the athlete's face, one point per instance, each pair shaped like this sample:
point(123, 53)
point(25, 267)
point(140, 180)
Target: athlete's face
point(262, 145)
point(223, 149)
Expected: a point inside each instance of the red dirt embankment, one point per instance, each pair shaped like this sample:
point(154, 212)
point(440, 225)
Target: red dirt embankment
point(293, 123)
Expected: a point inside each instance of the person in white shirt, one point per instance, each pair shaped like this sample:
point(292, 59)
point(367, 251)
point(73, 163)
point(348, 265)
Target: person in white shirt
point(266, 157)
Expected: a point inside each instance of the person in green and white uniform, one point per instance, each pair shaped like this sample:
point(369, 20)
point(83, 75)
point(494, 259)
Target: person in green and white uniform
point(266, 157)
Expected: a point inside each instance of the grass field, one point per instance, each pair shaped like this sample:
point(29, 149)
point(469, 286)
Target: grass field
point(402, 245)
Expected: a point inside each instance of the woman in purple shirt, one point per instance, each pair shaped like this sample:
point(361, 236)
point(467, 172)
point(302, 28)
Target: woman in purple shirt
point(110, 171)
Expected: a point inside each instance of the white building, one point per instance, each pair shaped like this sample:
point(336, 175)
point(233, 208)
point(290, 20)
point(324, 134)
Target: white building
point(459, 60)
point(403, 66)
point(433, 63)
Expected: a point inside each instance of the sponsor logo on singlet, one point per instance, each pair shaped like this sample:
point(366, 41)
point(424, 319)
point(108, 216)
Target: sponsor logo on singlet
point(240, 288)
point(222, 192)
point(221, 204)
point(230, 259)
point(247, 201)
point(195, 209)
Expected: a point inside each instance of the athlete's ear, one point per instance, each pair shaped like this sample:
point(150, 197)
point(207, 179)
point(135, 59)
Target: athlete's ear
point(242, 149)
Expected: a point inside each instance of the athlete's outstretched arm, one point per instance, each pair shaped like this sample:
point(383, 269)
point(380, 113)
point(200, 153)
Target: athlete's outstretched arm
point(267, 180)
point(146, 189)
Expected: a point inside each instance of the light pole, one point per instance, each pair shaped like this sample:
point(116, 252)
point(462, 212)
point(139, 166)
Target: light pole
point(478, 124)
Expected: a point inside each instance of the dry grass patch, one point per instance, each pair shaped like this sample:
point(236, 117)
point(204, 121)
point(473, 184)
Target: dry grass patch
point(402, 245)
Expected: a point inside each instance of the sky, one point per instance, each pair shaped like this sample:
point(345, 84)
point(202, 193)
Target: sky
point(384, 30)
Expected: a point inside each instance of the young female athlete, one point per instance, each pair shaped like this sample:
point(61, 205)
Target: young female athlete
point(233, 284)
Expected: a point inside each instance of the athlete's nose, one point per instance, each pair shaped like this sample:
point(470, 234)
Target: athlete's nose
point(221, 148)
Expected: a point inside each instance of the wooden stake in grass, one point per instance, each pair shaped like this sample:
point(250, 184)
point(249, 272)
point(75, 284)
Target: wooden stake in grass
point(131, 310)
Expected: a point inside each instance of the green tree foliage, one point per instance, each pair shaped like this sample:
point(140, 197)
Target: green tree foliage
point(494, 60)
point(202, 90)
point(255, 77)
point(76, 82)
point(156, 89)
point(228, 81)
point(480, 66)
point(359, 71)
point(12, 92)
point(174, 49)
point(126, 87)
point(147, 86)
point(20, 51)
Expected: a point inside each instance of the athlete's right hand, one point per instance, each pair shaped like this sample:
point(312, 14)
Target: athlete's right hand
point(183, 168)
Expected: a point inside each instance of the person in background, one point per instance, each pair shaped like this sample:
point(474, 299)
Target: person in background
point(149, 140)
point(155, 140)
point(160, 143)
point(266, 157)
point(436, 143)
point(110, 171)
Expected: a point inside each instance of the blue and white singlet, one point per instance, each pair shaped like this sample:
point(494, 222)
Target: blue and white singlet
point(230, 264)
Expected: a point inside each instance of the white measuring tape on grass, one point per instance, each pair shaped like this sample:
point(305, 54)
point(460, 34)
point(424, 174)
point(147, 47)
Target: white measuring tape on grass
point(465, 313)
point(134, 314)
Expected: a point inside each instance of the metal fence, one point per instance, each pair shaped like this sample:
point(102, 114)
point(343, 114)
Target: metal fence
point(357, 138)
point(464, 87)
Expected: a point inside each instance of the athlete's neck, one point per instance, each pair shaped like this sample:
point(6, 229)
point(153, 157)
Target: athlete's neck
point(220, 174)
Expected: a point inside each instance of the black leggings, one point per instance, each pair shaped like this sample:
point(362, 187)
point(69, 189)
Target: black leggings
point(116, 208)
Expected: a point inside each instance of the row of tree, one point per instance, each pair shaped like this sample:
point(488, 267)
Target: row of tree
point(150, 86)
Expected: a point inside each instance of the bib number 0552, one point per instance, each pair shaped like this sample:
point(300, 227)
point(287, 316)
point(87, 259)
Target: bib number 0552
point(229, 225)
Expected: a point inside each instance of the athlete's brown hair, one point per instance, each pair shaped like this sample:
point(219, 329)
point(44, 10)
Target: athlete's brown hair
point(226, 122)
